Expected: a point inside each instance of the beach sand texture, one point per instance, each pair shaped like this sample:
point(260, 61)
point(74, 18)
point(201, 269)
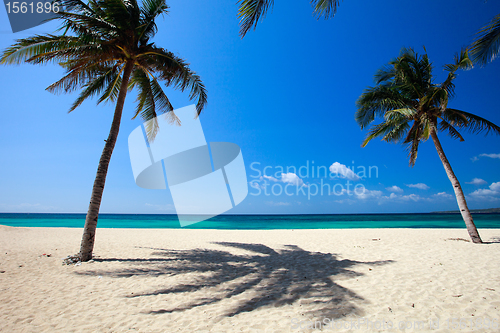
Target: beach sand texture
point(173, 280)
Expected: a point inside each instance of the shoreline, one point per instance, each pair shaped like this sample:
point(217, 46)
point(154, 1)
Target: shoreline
point(199, 280)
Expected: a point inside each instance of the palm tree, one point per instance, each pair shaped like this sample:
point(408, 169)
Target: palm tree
point(414, 108)
point(251, 12)
point(487, 46)
point(107, 52)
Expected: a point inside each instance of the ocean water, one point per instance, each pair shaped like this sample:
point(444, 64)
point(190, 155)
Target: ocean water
point(254, 222)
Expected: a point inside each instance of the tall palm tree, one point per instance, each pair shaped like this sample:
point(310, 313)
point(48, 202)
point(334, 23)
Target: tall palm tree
point(106, 50)
point(487, 46)
point(251, 12)
point(413, 108)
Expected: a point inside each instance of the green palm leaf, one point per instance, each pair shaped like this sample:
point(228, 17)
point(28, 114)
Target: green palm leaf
point(487, 46)
point(105, 51)
point(414, 108)
point(251, 12)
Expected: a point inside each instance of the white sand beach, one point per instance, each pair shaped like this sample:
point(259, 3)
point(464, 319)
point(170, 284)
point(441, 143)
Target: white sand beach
point(173, 280)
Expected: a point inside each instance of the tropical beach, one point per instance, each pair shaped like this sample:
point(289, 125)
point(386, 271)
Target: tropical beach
point(257, 166)
point(173, 280)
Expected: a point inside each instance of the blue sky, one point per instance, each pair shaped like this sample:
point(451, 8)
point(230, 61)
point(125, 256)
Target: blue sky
point(285, 94)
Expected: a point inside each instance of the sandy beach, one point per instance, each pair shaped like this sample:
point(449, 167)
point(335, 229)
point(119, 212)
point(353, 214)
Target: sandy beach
point(172, 280)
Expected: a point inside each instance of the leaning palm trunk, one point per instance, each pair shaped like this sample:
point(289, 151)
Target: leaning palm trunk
point(88, 238)
point(459, 194)
point(413, 108)
point(109, 40)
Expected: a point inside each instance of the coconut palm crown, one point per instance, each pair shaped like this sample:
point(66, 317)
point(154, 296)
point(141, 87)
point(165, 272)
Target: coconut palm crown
point(251, 12)
point(413, 108)
point(106, 50)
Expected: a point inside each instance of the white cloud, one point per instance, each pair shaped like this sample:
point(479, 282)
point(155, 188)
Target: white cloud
point(475, 158)
point(409, 197)
point(394, 189)
point(287, 178)
point(368, 194)
point(362, 193)
point(476, 181)
point(342, 171)
point(420, 186)
point(255, 184)
point(271, 178)
point(291, 178)
point(490, 155)
point(272, 203)
point(489, 194)
point(413, 197)
point(442, 195)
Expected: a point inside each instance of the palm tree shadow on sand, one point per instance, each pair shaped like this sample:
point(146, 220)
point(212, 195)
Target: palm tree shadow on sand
point(260, 277)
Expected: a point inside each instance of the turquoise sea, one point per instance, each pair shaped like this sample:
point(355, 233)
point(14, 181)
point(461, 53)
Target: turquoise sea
point(247, 222)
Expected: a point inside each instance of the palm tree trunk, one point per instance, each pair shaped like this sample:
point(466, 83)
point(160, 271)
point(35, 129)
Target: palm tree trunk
point(459, 194)
point(87, 245)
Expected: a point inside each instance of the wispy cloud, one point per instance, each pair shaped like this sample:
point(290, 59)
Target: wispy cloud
point(420, 186)
point(377, 196)
point(475, 158)
point(417, 198)
point(271, 178)
point(442, 195)
point(409, 197)
point(27, 207)
point(395, 189)
point(342, 171)
point(368, 194)
point(362, 193)
point(281, 203)
point(167, 207)
point(476, 181)
point(287, 178)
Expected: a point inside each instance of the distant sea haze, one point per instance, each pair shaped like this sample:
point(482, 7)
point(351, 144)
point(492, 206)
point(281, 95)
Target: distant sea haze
point(255, 222)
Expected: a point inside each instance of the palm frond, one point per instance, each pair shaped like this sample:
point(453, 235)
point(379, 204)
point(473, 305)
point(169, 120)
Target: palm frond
point(37, 46)
point(487, 46)
point(452, 131)
point(176, 72)
point(325, 8)
point(412, 141)
point(461, 61)
point(79, 75)
point(150, 10)
point(95, 87)
point(377, 131)
point(112, 90)
point(385, 74)
point(475, 124)
point(250, 12)
point(145, 101)
point(375, 101)
point(393, 128)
